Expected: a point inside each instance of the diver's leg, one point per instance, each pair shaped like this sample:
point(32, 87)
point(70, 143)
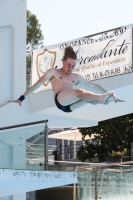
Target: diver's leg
point(70, 96)
point(81, 103)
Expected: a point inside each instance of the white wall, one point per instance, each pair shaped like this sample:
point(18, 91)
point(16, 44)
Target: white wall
point(13, 41)
point(6, 62)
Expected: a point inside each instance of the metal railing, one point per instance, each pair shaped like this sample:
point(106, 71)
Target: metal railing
point(102, 179)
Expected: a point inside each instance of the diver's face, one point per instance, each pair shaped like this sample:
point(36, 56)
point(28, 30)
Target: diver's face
point(69, 65)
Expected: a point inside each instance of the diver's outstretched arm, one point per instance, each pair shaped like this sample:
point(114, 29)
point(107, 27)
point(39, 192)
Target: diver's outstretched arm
point(95, 87)
point(34, 87)
point(98, 89)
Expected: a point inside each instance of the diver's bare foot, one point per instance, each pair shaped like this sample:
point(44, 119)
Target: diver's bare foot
point(103, 97)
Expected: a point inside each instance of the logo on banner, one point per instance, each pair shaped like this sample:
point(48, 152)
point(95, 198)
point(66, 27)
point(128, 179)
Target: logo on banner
point(44, 61)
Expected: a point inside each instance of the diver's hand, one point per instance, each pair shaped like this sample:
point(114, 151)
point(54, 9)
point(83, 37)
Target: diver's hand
point(119, 100)
point(15, 101)
point(113, 98)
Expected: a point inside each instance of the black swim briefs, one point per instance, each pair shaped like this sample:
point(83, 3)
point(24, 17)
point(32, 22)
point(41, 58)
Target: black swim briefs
point(63, 108)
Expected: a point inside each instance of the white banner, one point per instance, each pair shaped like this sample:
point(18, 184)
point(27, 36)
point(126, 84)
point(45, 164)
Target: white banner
point(99, 56)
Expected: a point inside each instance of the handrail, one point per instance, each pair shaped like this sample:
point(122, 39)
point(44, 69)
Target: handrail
point(105, 166)
point(98, 167)
point(22, 125)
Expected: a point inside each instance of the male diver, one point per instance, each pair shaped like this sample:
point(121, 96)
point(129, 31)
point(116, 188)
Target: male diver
point(63, 80)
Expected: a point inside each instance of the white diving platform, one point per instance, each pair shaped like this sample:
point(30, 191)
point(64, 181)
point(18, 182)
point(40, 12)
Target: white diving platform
point(21, 181)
